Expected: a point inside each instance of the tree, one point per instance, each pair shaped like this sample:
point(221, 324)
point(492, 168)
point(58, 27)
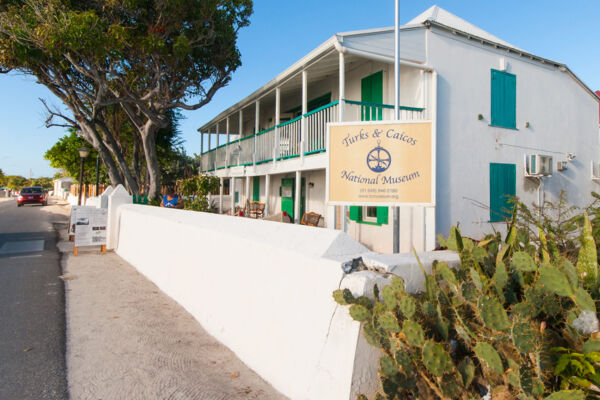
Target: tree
point(64, 155)
point(15, 182)
point(2, 178)
point(148, 56)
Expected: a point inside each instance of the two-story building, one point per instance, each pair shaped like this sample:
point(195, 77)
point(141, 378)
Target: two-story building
point(507, 122)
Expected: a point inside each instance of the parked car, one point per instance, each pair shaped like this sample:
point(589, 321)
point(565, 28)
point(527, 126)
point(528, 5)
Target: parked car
point(32, 195)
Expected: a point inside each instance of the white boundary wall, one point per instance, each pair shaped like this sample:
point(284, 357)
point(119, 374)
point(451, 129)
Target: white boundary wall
point(264, 289)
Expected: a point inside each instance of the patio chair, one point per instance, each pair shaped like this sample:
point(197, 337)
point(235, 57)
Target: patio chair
point(256, 209)
point(311, 219)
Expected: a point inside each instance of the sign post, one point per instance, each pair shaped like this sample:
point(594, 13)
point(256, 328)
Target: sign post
point(90, 227)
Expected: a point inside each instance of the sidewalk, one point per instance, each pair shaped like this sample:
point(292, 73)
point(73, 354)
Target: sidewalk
point(128, 340)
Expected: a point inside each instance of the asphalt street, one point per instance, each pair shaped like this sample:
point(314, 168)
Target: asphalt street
point(32, 303)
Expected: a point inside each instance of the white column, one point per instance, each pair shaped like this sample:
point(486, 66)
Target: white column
point(232, 193)
point(267, 193)
point(297, 198)
point(241, 124)
point(304, 111)
point(227, 147)
point(217, 133)
point(342, 86)
point(201, 143)
point(430, 212)
point(256, 124)
point(220, 195)
point(247, 189)
point(277, 112)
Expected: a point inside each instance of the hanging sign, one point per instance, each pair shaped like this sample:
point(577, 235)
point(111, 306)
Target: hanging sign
point(381, 163)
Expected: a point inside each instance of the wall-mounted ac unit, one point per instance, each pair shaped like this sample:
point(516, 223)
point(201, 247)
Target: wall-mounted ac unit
point(538, 165)
point(595, 171)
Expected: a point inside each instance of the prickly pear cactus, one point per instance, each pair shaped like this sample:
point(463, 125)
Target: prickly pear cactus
point(487, 325)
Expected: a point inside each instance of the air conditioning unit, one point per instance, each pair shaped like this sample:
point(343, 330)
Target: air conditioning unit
point(537, 165)
point(595, 171)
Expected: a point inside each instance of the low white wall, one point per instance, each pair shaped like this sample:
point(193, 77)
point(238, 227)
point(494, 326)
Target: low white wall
point(264, 289)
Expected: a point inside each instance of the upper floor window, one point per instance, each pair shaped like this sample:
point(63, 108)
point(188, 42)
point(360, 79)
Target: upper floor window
point(504, 99)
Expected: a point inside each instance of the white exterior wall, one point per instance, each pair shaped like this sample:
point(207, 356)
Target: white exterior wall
point(563, 116)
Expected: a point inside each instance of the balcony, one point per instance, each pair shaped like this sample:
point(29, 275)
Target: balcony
point(284, 141)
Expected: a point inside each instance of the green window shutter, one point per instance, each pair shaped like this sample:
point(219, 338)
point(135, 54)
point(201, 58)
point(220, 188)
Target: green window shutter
point(371, 91)
point(382, 215)
point(236, 198)
point(356, 213)
point(503, 186)
point(256, 189)
point(504, 99)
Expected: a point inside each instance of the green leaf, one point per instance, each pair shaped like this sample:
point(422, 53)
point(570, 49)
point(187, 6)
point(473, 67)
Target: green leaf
point(554, 280)
point(524, 337)
point(591, 346)
point(447, 275)
point(587, 261)
point(567, 395)
point(562, 363)
point(359, 313)
point(523, 262)
point(488, 356)
point(476, 279)
point(338, 296)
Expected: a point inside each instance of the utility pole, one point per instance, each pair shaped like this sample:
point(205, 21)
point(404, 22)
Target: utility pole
point(396, 226)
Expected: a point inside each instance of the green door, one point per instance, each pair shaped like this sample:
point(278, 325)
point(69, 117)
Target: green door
point(256, 189)
point(371, 91)
point(288, 194)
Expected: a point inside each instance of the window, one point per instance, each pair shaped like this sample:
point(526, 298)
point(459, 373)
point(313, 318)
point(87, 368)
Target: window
point(369, 215)
point(504, 99)
point(503, 187)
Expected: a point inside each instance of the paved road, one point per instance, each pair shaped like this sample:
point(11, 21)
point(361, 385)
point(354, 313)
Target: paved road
point(32, 304)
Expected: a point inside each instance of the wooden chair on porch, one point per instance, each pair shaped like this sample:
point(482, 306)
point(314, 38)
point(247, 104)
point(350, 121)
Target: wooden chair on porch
point(256, 209)
point(311, 219)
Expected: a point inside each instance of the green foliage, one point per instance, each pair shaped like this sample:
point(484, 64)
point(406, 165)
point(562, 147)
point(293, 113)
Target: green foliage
point(492, 321)
point(196, 190)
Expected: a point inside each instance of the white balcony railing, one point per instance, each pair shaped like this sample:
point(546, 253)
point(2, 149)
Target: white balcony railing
point(265, 146)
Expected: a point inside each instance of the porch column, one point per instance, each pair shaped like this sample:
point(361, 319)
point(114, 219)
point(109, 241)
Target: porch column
point(220, 195)
point(267, 193)
point(304, 111)
point(342, 87)
point(227, 147)
point(217, 132)
point(297, 198)
point(247, 189)
point(201, 142)
point(240, 130)
point(256, 125)
point(277, 112)
point(232, 193)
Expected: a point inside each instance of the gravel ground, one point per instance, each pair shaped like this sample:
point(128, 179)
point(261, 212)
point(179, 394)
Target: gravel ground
point(128, 340)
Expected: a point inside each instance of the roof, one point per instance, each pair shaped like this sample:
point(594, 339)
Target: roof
point(441, 16)
point(381, 49)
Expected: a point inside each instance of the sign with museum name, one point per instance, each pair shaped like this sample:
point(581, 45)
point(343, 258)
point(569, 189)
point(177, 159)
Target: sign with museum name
point(380, 163)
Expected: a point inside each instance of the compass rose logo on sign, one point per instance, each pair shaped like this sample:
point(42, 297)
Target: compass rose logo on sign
point(379, 159)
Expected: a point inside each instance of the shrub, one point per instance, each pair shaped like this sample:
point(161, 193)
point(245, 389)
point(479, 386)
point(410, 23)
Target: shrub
point(196, 190)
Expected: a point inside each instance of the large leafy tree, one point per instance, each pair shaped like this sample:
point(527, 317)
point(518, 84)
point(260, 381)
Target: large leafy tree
point(147, 56)
point(2, 178)
point(64, 155)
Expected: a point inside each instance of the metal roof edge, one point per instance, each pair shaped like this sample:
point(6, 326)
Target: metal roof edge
point(512, 50)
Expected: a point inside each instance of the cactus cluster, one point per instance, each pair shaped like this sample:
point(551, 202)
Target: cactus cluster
point(488, 325)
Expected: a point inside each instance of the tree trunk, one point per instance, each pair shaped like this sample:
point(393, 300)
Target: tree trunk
point(131, 183)
point(136, 158)
point(148, 134)
point(91, 136)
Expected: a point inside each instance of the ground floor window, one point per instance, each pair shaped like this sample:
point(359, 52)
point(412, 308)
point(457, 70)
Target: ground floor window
point(369, 215)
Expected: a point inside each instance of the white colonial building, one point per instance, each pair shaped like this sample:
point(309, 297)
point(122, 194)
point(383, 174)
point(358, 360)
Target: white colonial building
point(507, 123)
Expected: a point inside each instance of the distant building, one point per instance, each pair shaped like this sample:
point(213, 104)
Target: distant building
point(508, 123)
point(62, 187)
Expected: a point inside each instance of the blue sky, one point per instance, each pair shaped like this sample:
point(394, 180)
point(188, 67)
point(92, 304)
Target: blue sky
point(282, 31)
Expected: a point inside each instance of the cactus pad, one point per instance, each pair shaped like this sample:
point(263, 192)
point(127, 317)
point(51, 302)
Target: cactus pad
point(388, 366)
point(359, 313)
point(389, 322)
point(523, 262)
point(493, 314)
point(524, 337)
point(488, 356)
point(467, 371)
point(435, 358)
point(554, 280)
point(389, 298)
point(413, 333)
point(407, 306)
